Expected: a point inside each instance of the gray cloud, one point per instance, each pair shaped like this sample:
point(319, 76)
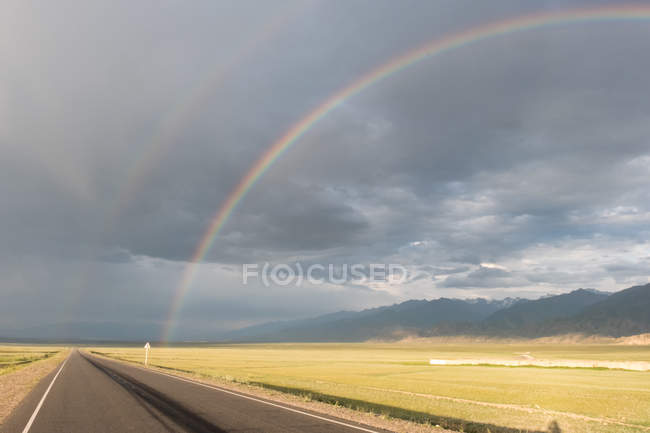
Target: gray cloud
point(518, 165)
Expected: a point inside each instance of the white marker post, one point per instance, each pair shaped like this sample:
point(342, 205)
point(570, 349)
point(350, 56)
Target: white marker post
point(146, 353)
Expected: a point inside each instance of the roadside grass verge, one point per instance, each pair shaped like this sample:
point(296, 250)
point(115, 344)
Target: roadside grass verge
point(395, 412)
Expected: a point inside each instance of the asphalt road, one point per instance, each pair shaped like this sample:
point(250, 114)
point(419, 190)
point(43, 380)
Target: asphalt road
point(89, 394)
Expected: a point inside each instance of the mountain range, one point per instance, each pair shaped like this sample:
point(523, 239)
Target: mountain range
point(582, 311)
point(585, 311)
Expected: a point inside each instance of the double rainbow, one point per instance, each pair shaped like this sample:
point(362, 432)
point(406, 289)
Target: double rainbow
point(428, 50)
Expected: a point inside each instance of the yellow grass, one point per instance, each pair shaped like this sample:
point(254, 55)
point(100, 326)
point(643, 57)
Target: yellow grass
point(22, 367)
point(396, 380)
point(13, 357)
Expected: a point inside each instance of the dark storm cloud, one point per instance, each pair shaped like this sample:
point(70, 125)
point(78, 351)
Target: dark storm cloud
point(482, 166)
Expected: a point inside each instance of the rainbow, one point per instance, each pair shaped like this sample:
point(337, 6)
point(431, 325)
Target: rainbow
point(428, 50)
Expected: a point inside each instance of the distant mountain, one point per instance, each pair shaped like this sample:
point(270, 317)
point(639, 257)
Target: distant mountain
point(525, 316)
point(624, 313)
point(585, 311)
point(268, 328)
point(407, 318)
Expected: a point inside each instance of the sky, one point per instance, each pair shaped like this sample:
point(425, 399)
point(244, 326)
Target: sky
point(517, 166)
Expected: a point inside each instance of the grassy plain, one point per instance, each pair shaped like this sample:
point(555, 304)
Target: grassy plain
point(395, 380)
point(13, 357)
point(22, 367)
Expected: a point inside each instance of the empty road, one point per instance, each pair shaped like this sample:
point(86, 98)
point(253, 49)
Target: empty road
point(87, 394)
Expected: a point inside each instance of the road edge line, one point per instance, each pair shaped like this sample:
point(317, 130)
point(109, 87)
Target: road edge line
point(40, 403)
point(270, 403)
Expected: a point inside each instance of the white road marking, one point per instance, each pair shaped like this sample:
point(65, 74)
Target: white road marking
point(40, 403)
point(216, 388)
point(269, 403)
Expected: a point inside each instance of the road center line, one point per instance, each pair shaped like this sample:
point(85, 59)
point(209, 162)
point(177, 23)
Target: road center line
point(216, 388)
point(40, 403)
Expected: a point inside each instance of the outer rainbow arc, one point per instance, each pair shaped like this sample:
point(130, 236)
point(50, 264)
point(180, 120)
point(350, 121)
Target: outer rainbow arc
point(182, 113)
point(438, 46)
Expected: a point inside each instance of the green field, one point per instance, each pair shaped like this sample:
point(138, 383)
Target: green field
point(15, 356)
point(396, 380)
